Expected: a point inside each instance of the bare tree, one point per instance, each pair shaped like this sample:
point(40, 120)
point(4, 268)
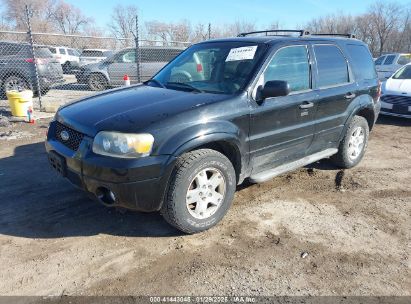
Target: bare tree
point(41, 11)
point(239, 27)
point(200, 32)
point(69, 19)
point(167, 32)
point(4, 24)
point(385, 17)
point(332, 24)
point(123, 22)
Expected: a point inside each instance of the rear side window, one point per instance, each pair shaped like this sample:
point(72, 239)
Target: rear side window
point(158, 54)
point(9, 49)
point(362, 63)
point(379, 60)
point(290, 64)
point(404, 59)
point(389, 60)
point(91, 53)
point(332, 66)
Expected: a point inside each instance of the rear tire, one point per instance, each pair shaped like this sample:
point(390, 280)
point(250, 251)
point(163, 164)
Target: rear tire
point(15, 82)
point(200, 192)
point(97, 82)
point(353, 145)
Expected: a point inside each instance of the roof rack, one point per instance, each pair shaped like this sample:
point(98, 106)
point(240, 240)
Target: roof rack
point(340, 35)
point(274, 32)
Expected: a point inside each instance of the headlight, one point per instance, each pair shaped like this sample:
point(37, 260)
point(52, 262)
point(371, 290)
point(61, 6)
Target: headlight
point(123, 145)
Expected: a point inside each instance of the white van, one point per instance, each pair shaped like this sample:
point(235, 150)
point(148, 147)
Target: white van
point(387, 64)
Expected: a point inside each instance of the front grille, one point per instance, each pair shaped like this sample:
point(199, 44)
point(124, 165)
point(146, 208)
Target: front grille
point(75, 137)
point(397, 100)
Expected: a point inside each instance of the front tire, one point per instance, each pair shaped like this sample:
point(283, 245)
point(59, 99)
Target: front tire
point(201, 191)
point(353, 145)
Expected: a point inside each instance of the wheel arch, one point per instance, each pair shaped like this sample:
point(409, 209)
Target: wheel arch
point(226, 143)
point(7, 74)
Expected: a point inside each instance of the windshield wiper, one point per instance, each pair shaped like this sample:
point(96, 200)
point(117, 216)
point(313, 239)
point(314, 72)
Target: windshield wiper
point(156, 82)
point(185, 85)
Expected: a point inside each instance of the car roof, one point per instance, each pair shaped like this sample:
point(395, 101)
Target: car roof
point(276, 39)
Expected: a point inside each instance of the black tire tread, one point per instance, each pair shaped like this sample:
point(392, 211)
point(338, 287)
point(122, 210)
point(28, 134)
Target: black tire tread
point(183, 163)
point(340, 159)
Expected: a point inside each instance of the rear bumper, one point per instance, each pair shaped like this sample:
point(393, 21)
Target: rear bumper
point(138, 184)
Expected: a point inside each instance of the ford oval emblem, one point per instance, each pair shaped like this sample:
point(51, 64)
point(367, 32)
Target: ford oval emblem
point(64, 135)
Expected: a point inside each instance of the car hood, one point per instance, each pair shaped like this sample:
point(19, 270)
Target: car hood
point(130, 109)
point(397, 87)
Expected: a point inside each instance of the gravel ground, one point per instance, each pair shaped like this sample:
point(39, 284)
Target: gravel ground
point(316, 231)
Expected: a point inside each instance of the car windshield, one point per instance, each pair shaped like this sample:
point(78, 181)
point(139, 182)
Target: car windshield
point(220, 68)
point(404, 73)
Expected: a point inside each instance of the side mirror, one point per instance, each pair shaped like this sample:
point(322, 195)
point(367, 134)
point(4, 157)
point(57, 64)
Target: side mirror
point(275, 88)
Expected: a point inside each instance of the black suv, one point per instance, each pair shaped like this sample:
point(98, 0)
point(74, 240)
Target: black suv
point(247, 107)
point(17, 67)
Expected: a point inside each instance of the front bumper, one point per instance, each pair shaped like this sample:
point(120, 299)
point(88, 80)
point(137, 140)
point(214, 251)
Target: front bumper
point(138, 184)
point(391, 110)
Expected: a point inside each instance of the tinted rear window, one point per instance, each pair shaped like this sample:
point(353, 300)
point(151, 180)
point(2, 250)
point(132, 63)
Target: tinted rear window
point(362, 63)
point(379, 60)
point(332, 66)
point(7, 49)
point(42, 52)
point(158, 54)
point(389, 60)
point(92, 54)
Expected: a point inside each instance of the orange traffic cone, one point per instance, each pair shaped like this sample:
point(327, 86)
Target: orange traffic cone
point(126, 80)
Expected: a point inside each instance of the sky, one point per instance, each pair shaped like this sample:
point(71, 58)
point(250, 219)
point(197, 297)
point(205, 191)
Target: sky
point(289, 13)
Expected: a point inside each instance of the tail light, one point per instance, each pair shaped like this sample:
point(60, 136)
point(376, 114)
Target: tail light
point(37, 60)
point(378, 95)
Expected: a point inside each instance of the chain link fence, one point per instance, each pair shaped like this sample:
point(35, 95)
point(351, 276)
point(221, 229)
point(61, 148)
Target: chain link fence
point(59, 68)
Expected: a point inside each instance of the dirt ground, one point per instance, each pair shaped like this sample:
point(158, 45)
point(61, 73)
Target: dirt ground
point(316, 231)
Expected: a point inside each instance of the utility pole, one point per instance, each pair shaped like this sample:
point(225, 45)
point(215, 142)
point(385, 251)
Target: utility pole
point(30, 34)
point(138, 54)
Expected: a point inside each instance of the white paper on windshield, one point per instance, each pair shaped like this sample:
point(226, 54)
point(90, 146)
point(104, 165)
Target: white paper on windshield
point(242, 53)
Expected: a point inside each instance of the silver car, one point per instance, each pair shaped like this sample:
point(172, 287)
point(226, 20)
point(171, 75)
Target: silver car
point(111, 71)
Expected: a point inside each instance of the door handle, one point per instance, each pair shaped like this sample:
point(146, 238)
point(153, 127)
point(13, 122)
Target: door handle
point(350, 96)
point(306, 105)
